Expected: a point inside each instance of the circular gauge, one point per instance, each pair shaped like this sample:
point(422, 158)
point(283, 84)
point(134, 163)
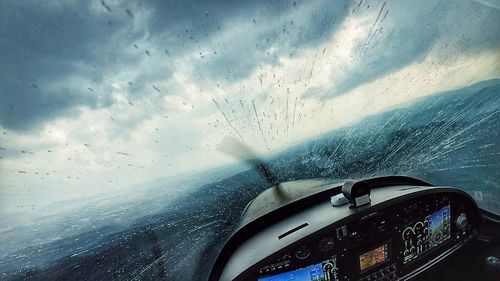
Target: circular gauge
point(408, 233)
point(328, 267)
point(419, 228)
point(326, 244)
point(302, 253)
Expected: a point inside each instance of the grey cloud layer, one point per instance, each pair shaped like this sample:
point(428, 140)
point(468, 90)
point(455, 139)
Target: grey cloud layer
point(402, 33)
point(43, 46)
point(297, 26)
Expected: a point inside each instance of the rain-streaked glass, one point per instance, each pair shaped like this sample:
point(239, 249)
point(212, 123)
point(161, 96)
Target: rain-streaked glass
point(113, 115)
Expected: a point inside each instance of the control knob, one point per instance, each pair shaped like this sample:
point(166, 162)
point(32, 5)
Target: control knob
point(302, 253)
point(461, 221)
point(492, 268)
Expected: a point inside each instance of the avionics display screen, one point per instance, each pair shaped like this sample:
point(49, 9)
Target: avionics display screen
point(423, 235)
point(374, 257)
point(324, 271)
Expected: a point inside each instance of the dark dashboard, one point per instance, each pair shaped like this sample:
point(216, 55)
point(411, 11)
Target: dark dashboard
point(405, 230)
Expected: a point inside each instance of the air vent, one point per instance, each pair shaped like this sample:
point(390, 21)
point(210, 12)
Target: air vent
point(408, 188)
point(292, 230)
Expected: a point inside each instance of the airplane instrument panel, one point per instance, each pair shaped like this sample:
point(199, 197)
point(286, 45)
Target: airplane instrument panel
point(401, 233)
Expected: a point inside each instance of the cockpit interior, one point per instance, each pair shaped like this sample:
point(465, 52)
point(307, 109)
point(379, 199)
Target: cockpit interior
point(261, 140)
point(390, 228)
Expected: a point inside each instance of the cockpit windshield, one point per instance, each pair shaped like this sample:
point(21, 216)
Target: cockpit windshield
point(113, 116)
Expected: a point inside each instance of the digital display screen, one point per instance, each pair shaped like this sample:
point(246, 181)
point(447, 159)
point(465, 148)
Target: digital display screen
point(324, 271)
point(439, 226)
point(423, 235)
point(374, 257)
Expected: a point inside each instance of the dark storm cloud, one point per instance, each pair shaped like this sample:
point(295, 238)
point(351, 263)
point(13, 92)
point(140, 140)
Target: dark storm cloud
point(280, 25)
point(400, 33)
point(42, 44)
point(476, 31)
point(45, 43)
point(199, 18)
point(403, 33)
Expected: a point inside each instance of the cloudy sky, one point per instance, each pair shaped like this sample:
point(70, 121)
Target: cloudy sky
point(97, 96)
